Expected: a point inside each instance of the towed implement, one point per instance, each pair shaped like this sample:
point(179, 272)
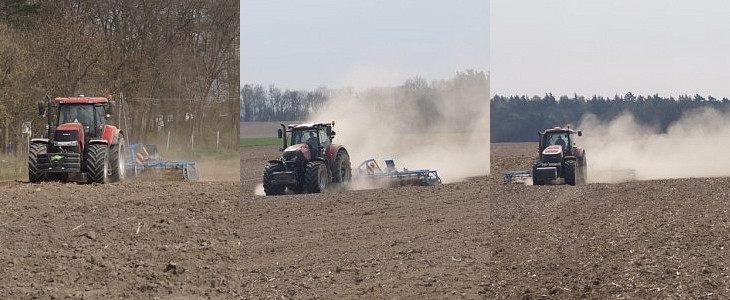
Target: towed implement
point(392, 177)
point(141, 161)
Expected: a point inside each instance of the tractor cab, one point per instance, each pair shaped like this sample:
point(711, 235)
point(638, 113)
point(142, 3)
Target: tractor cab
point(92, 117)
point(562, 137)
point(318, 137)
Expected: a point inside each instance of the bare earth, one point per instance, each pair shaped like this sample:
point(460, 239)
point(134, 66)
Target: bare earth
point(662, 239)
point(398, 243)
point(665, 239)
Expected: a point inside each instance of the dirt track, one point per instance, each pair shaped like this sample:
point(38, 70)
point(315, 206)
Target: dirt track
point(663, 239)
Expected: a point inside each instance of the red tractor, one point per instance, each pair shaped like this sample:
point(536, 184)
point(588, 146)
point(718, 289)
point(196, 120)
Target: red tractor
point(309, 161)
point(79, 145)
point(560, 158)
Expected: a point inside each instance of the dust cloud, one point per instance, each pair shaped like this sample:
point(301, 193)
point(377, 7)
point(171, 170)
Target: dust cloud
point(452, 138)
point(621, 150)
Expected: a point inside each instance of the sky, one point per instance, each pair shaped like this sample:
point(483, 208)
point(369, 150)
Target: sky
point(592, 47)
point(361, 43)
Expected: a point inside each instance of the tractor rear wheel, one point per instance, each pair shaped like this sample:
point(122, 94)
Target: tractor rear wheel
point(316, 177)
point(569, 171)
point(36, 150)
point(96, 162)
point(269, 188)
point(342, 169)
point(582, 171)
point(117, 161)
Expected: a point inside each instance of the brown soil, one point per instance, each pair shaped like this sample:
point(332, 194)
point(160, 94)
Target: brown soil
point(135, 240)
point(662, 239)
point(399, 243)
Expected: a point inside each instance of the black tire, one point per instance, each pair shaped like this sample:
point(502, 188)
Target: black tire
point(569, 171)
point(534, 171)
point(269, 188)
point(582, 171)
point(316, 177)
point(34, 152)
point(117, 161)
point(342, 170)
point(96, 162)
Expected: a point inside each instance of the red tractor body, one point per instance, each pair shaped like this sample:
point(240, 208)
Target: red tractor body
point(78, 145)
point(309, 161)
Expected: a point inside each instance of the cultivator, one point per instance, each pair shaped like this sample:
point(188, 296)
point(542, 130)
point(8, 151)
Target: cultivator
point(391, 176)
point(140, 160)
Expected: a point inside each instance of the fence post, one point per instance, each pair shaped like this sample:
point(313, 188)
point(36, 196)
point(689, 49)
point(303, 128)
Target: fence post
point(217, 139)
point(167, 147)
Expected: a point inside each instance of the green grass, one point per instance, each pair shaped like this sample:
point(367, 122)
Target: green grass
point(267, 141)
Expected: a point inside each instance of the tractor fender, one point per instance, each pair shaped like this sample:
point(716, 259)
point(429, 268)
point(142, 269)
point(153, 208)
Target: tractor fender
point(332, 151)
point(109, 134)
point(39, 140)
point(579, 152)
point(276, 161)
point(98, 141)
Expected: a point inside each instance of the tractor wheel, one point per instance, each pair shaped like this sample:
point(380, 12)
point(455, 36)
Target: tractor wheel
point(342, 169)
point(535, 181)
point(569, 172)
point(117, 161)
point(269, 188)
point(316, 177)
point(35, 151)
point(582, 171)
point(96, 162)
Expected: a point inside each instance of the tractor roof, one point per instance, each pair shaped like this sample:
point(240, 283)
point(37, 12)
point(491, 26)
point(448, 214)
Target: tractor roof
point(560, 130)
point(305, 126)
point(81, 100)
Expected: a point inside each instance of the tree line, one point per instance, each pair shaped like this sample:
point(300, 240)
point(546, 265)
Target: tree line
point(174, 64)
point(455, 102)
point(519, 118)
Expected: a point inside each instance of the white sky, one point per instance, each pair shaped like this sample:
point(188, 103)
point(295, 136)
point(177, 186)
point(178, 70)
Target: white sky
point(588, 47)
point(360, 43)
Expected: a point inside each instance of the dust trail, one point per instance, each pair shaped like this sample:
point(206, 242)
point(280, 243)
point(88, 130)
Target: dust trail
point(694, 146)
point(449, 132)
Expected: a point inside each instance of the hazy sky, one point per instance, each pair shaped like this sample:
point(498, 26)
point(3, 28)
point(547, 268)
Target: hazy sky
point(360, 43)
point(669, 47)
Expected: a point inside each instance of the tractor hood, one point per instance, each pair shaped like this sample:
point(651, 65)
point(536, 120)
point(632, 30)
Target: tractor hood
point(298, 148)
point(552, 150)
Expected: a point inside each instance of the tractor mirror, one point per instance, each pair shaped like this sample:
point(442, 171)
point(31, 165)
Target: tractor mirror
point(41, 108)
point(279, 133)
point(332, 134)
point(580, 133)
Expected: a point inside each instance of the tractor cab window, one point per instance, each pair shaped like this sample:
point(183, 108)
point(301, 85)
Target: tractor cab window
point(305, 136)
point(83, 114)
point(323, 138)
point(559, 139)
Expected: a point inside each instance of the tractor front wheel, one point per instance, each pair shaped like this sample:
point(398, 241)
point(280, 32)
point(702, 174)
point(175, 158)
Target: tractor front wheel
point(117, 161)
point(35, 151)
point(316, 177)
point(569, 172)
point(96, 162)
point(269, 188)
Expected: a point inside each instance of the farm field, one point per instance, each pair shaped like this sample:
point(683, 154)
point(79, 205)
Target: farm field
point(658, 239)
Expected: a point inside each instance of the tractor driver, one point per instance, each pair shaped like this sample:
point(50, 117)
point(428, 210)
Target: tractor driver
point(81, 115)
point(560, 141)
point(312, 141)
